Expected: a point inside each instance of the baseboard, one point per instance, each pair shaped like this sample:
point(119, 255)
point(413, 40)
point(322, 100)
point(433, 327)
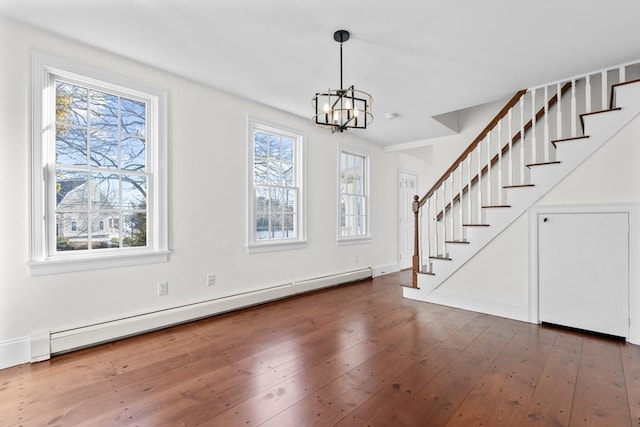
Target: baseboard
point(76, 338)
point(15, 352)
point(493, 306)
point(381, 270)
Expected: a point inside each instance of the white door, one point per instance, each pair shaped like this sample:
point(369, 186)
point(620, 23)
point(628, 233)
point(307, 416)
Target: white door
point(405, 232)
point(583, 271)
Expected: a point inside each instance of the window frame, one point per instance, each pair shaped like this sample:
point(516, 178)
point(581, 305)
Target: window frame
point(361, 238)
point(253, 244)
point(43, 258)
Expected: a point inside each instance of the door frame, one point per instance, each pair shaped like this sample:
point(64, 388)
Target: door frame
point(633, 211)
point(398, 197)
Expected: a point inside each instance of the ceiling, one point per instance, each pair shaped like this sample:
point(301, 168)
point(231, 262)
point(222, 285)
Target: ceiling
point(419, 59)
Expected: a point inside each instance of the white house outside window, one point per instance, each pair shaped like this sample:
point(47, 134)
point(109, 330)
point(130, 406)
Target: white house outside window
point(353, 196)
point(98, 146)
point(276, 195)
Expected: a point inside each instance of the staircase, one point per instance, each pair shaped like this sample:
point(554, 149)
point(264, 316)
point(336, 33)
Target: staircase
point(535, 141)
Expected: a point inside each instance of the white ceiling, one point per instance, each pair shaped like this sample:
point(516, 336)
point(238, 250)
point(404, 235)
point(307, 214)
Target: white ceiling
point(418, 59)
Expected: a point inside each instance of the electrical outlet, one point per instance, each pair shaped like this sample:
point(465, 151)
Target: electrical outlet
point(163, 288)
point(211, 279)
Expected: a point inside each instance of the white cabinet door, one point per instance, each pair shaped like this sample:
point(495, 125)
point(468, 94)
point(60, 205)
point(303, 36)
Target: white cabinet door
point(583, 271)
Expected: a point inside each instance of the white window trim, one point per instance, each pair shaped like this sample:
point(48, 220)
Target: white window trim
point(354, 240)
point(259, 246)
point(42, 70)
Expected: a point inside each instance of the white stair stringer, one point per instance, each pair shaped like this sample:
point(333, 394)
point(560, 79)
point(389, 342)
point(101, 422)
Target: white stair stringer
point(599, 128)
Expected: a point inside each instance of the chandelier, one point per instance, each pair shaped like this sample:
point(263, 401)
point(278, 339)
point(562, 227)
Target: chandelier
point(341, 109)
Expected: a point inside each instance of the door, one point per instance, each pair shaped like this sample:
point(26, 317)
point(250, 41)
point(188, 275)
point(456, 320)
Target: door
point(406, 192)
point(583, 271)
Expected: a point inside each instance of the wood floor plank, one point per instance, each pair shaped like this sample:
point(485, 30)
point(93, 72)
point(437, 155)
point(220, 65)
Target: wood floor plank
point(600, 397)
point(631, 365)
point(501, 395)
point(232, 391)
point(552, 399)
point(440, 397)
point(397, 393)
point(354, 355)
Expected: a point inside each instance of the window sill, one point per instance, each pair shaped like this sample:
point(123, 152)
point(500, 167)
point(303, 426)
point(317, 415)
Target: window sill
point(354, 240)
point(83, 263)
point(275, 246)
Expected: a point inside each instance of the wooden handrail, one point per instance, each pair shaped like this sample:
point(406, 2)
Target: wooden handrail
point(505, 149)
point(513, 101)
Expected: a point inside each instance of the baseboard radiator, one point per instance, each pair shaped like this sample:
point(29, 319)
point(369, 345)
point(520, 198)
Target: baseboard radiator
point(73, 339)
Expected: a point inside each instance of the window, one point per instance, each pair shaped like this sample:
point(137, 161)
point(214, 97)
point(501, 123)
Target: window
point(98, 146)
point(276, 195)
point(353, 203)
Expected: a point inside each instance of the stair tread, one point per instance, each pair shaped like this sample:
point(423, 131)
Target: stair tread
point(575, 138)
point(582, 116)
point(475, 225)
point(457, 241)
point(496, 206)
point(519, 186)
point(543, 163)
point(441, 257)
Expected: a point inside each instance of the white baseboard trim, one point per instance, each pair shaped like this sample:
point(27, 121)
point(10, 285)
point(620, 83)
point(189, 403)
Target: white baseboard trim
point(14, 352)
point(381, 270)
point(85, 336)
point(493, 306)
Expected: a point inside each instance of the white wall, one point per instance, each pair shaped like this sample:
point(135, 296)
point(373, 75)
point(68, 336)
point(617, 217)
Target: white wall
point(207, 200)
point(499, 271)
point(440, 153)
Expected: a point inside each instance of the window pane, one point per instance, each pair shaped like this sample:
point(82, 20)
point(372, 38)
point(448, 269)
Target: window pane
point(133, 117)
point(71, 231)
point(274, 147)
point(262, 226)
point(133, 154)
point(289, 226)
point(71, 145)
point(101, 238)
point(260, 175)
point(287, 150)
point(72, 192)
point(134, 192)
point(276, 226)
point(260, 144)
point(71, 104)
point(104, 149)
point(106, 191)
point(275, 174)
point(103, 111)
point(135, 229)
point(287, 174)
point(275, 200)
point(262, 200)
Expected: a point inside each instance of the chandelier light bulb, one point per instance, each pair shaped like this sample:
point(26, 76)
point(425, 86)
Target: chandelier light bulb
point(326, 107)
point(347, 105)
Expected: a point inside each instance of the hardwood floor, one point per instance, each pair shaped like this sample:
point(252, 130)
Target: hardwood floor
point(354, 355)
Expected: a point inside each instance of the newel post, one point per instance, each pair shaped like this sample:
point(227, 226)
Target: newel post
point(415, 206)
